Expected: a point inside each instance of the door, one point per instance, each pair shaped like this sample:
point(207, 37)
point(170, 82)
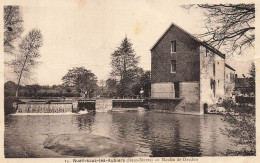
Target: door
point(177, 89)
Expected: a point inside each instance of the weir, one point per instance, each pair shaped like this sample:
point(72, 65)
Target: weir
point(99, 105)
point(44, 108)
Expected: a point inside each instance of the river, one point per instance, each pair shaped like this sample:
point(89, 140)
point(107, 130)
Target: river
point(152, 134)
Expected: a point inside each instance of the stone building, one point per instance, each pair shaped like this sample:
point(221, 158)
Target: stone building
point(187, 75)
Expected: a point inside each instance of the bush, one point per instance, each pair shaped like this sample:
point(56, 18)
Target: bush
point(245, 100)
point(8, 105)
point(242, 127)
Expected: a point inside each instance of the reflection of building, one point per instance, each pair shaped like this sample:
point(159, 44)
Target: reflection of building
point(186, 68)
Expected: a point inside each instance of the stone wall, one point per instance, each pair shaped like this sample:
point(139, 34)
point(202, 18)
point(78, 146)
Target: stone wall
point(44, 108)
point(190, 95)
point(162, 90)
point(163, 105)
point(188, 103)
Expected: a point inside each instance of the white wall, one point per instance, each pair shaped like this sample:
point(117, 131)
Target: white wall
point(206, 75)
point(229, 82)
point(163, 90)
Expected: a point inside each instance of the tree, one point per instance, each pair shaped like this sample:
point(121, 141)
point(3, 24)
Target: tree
point(252, 79)
point(9, 88)
point(28, 53)
point(229, 26)
point(13, 26)
point(102, 83)
point(81, 79)
point(124, 64)
point(146, 83)
point(111, 85)
point(143, 81)
point(252, 70)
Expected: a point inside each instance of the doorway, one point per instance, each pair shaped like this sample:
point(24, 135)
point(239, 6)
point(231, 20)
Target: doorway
point(177, 89)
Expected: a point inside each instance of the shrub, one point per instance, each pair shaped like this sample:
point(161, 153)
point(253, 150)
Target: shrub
point(242, 127)
point(8, 105)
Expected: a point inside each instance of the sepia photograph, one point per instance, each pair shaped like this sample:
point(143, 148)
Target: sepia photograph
point(129, 79)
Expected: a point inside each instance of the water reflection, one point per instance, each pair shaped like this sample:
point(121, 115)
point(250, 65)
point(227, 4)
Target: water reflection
point(151, 134)
point(163, 134)
point(86, 122)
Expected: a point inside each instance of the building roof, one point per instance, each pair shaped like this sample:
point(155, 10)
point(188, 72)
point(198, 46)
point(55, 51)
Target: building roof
point(203, 43)
point(229, 67)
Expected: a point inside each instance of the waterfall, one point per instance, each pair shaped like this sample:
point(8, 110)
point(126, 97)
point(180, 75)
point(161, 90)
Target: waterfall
point(44, 108)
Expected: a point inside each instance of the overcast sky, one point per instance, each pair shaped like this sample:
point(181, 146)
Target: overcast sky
point(85, 33)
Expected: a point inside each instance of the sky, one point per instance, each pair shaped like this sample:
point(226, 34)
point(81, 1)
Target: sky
point(85, 33)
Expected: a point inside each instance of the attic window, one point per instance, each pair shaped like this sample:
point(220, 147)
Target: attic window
point(173, 46)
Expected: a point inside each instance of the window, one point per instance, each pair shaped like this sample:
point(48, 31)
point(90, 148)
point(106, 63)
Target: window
point(214, 69)
point(173, 66)
point(173, 46)
point(207, 52)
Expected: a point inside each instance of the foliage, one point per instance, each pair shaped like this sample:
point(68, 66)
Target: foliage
point(252, 70)
point(82, 80)
point(252, 81)
point(124, 64)
point(111, 85)
point(39, 91)
point(13, 26)
point(143, 82)
point(29, 52)
point(8, 104)
point(9, 88)
point(242, 127)
point(229, 26)
point(102, 85)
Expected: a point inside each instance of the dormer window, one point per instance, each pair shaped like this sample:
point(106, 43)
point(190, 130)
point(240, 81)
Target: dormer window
point(173, 46)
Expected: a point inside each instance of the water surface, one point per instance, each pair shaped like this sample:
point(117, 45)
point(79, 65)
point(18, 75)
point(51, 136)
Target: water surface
point(151, 134)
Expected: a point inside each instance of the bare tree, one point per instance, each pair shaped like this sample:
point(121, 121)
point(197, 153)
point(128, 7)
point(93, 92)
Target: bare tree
point(28, 53)
point(230, 27)
point(13, 26)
